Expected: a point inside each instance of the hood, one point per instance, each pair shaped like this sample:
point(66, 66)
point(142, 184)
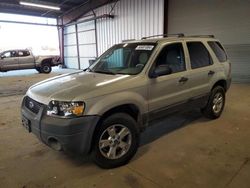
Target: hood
point(77, 86)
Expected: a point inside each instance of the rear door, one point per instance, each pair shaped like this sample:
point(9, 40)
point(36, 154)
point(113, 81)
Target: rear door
point(9, 60)
point(26, 60)
point(202, 69)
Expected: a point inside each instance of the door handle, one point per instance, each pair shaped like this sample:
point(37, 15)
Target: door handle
point(183, 79)
point(210, 73)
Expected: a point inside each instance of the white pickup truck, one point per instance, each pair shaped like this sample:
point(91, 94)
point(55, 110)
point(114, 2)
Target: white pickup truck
point(24, 59)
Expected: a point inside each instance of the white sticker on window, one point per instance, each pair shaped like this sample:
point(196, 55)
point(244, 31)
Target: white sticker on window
point(144, 47)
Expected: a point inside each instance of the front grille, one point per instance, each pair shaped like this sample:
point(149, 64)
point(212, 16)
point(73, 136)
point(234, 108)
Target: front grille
point(32, 105)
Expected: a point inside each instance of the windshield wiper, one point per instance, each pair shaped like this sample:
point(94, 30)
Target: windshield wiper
point(105, 72)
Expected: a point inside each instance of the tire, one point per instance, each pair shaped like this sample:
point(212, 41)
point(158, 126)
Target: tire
point(46, 68)
point(215, 103)
point(107, 152)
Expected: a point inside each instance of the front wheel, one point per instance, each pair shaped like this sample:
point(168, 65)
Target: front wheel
point(116, 141)
point(215, 103)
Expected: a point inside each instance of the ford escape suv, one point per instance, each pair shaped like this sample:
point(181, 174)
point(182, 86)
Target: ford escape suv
point(102, 110)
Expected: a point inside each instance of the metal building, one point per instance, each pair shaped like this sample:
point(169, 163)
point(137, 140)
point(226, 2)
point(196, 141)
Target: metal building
point(89, 27)
point(132, 19)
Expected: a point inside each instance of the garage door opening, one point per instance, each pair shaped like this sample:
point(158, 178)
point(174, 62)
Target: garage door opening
point(40, 39)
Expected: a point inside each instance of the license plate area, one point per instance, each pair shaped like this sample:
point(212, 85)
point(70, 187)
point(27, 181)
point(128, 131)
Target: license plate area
point(26, 124)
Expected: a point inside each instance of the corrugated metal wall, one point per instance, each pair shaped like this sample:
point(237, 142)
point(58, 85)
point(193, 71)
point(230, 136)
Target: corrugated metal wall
point(133, 19)
point(227, 20)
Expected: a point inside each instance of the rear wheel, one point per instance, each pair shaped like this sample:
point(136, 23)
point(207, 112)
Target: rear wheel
point(116, 141)
point(215, 103)
point(46, 68)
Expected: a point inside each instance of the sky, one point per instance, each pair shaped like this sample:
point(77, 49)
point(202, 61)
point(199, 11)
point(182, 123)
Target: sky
point(42, 40)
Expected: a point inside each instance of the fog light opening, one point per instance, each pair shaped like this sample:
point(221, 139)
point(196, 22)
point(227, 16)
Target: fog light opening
point(54, 144)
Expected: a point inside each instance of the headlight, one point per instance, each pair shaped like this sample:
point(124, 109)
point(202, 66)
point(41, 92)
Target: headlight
point(65, 109)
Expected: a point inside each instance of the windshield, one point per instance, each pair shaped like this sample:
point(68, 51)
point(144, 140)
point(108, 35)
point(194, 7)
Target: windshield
point(128, 58)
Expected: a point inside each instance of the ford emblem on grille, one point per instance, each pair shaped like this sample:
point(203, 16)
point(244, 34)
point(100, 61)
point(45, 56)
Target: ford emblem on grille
point(31, 104)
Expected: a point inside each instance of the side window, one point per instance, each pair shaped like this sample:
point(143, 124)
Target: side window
point(23, 53)
point(173, 56)
point(7, 54)
point(20, 54)
point(26, 53)
point(218, 50)
point(199, 55)
point(13, 54)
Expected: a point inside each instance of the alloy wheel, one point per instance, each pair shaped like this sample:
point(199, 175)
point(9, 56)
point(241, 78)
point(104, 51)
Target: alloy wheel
point(115, 141)
point(218, 101)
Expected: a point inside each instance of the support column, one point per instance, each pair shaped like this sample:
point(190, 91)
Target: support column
point(165, 17)
point(61, 44)
point(77, 47)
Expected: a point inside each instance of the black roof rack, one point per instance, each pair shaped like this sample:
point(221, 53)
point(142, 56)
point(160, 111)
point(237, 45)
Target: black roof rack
point(164, 35)
point(209, 36)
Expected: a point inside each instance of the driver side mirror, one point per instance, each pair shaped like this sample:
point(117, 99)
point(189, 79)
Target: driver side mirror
point(161, 70)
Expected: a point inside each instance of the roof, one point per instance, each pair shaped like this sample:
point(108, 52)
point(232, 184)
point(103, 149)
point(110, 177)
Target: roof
point(171, 38)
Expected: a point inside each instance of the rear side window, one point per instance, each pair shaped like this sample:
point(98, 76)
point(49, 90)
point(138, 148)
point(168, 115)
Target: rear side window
point(23, 53)
point(199, 55)
point(218, 50)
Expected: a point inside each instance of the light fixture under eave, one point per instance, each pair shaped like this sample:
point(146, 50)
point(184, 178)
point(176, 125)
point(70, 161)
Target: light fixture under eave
point(39, 5)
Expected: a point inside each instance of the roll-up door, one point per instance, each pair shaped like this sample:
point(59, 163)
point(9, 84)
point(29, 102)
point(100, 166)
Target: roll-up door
point(79, 44)
point(227, 20)
point(70, 47)
point(86, 42)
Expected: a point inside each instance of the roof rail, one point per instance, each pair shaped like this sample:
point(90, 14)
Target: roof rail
point(128, 40)
point(165, 35)
point(208, 36)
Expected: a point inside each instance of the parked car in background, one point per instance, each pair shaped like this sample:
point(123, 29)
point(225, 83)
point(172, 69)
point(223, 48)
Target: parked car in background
point(24, 59)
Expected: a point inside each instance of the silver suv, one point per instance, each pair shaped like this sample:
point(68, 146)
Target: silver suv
point(101, 110)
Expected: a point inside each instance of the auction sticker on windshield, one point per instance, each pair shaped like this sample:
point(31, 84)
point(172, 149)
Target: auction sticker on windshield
point(144, 47)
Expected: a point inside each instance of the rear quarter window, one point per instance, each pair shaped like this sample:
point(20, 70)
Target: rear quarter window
point(23, 53)
point(218, 50)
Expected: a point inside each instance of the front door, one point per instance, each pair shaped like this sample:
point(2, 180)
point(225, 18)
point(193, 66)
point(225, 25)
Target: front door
point(9, 61)
point(172, 89)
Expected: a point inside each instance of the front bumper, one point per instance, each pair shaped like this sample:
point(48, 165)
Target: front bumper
point(74, 135)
